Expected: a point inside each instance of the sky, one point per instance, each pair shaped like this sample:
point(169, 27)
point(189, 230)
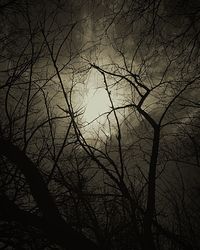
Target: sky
point(90, 84)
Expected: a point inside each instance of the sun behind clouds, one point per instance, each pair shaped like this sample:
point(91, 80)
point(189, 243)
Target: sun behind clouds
point(97, 105)
point(96, 99)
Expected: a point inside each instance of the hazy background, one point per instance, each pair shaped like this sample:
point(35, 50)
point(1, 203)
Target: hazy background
point(85, 86)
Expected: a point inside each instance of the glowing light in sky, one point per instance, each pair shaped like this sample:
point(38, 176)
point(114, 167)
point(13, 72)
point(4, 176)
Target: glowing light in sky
point(98, 103)
point(96, 100)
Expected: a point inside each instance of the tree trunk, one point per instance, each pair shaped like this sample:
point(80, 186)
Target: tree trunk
point(55, 226)
point(148, 241)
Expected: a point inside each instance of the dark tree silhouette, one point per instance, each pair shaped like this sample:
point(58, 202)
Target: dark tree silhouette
point(127, 178)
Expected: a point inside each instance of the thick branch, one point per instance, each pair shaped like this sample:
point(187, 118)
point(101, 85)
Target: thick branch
point(56, 227)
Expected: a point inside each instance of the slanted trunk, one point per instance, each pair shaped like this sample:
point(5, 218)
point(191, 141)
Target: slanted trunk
point(55, 227)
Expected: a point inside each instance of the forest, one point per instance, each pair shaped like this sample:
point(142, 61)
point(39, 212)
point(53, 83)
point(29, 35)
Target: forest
point(99, 124)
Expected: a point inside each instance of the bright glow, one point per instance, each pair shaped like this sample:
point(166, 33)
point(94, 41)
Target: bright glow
point(98, 103)
point(96, 99)
point(97, 106)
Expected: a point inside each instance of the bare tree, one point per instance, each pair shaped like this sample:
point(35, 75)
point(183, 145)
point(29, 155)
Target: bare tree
point(118, 181)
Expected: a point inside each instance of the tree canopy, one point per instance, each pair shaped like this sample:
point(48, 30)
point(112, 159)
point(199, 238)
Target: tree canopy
point(99, 124)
